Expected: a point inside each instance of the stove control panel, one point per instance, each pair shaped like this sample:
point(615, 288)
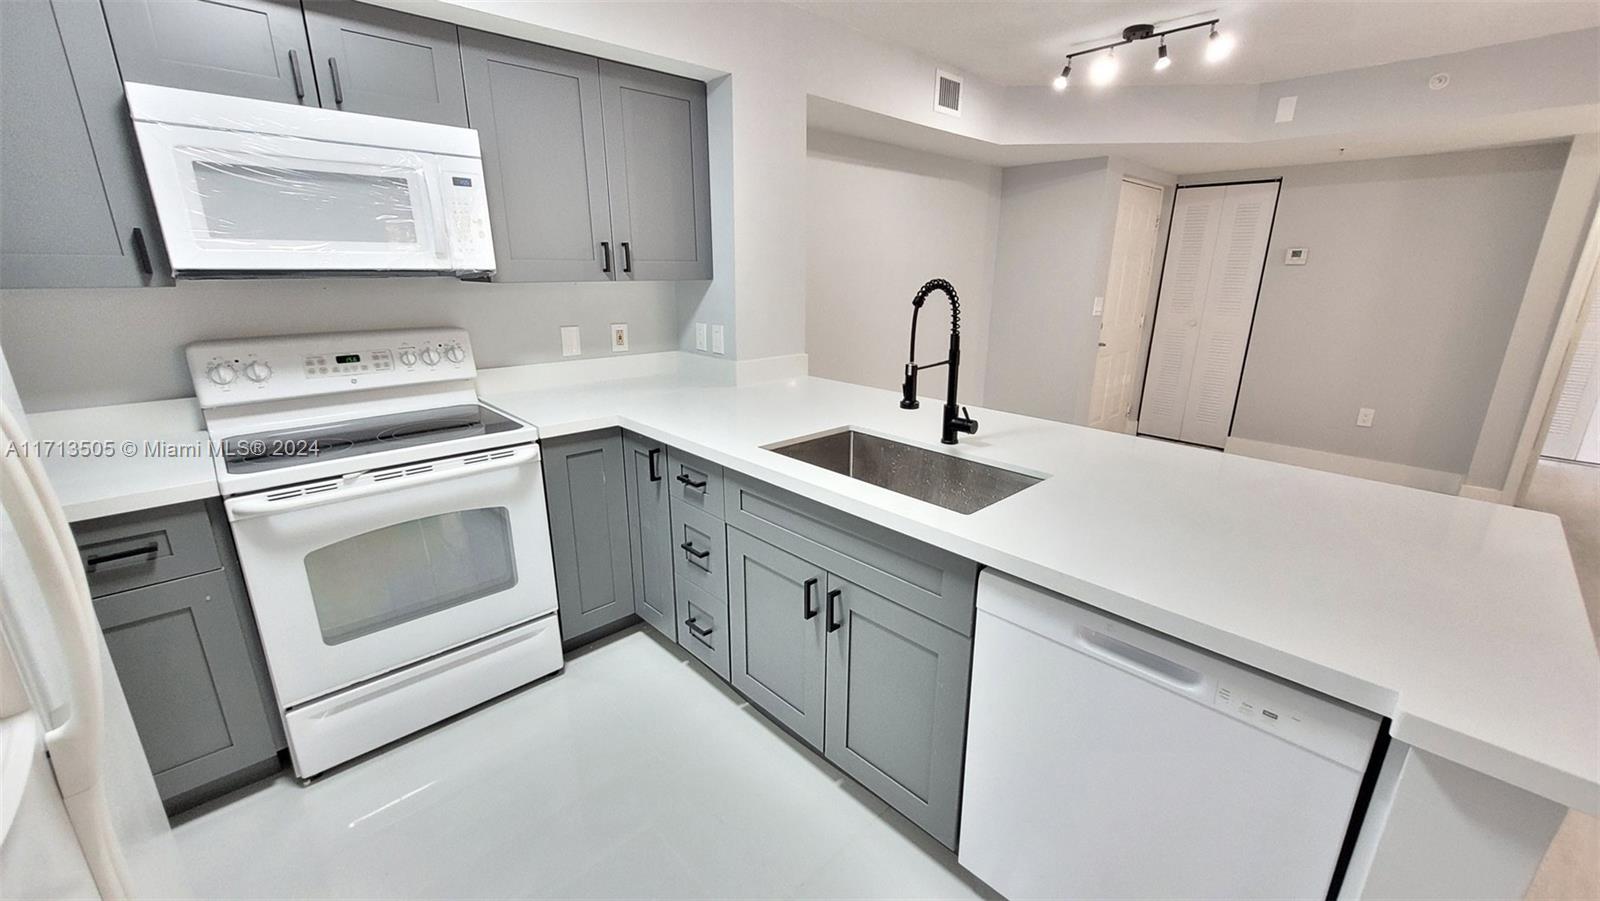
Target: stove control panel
point(251, 370)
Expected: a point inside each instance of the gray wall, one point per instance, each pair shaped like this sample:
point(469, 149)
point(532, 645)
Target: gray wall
point(880, 221)
point(1416, 269)
point(79, 348)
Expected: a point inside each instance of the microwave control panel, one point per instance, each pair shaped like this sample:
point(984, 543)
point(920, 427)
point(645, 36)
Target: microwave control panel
point(466, 213)
point(251, 370)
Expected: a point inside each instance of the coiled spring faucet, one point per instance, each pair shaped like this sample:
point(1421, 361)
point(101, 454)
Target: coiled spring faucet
point(956, 419)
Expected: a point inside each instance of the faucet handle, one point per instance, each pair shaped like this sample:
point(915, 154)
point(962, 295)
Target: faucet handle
point(967, 424)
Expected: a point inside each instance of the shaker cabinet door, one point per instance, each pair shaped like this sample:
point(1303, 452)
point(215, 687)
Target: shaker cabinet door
point(657, 164)
point(897, 704)
point(246, 48)
point(650, 531)
point(385, 63)
point(74, 212)
point(588, 506)
point(775, 605)
point(537, 112)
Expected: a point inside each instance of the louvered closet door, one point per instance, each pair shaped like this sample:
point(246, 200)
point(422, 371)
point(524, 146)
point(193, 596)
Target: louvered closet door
point(1177, 331)
point(1573, 427)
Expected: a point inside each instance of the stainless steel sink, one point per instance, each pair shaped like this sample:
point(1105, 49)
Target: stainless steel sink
point(952, 482)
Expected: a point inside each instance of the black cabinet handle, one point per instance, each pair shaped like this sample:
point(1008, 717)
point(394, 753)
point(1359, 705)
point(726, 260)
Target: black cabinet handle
point(294, 72)
point(690, 622)
point(810, 587)
point(655, 460)
point(338, 89)
point(605, 250)
point(689, 547)
point(627, 257)
point(144, 550)
point(141, 253)
point(833, 602)
point(699, 485)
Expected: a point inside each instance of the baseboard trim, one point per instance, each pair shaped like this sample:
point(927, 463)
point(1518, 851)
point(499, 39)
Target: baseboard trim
point(1377, 470)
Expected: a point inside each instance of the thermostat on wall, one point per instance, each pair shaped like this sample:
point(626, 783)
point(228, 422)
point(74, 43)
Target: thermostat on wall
point(1294, 256)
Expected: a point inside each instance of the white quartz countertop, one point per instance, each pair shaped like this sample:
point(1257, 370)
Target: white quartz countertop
point(1460, 620)
point(108, 460)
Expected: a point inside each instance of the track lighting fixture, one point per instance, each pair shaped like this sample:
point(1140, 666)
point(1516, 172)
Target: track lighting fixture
point(1104, 69)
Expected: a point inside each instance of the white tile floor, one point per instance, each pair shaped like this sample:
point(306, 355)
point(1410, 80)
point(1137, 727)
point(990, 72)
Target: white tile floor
point(634, 773)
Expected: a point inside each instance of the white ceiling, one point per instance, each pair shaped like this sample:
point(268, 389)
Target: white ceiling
point(1022, 42)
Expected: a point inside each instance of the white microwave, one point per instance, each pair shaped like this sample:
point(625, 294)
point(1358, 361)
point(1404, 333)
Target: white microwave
point(251, 187)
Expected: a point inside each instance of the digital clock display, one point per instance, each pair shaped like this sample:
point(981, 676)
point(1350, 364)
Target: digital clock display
point(342, 359)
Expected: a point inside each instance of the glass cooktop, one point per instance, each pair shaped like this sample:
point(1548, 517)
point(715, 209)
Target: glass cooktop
point(266, 451)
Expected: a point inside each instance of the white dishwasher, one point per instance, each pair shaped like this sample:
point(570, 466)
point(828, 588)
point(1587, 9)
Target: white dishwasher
point(1108, 761)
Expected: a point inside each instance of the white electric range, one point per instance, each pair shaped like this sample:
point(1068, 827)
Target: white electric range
point(390, 526)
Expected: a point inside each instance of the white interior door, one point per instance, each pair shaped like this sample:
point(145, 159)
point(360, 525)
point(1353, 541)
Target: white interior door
point(1133, 256)
point(1203, 333)
point(1575, 422)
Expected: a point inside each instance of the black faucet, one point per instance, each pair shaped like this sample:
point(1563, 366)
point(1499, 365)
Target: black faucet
point(954, 421)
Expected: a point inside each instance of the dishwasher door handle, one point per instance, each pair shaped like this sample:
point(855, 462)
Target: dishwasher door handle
point(1132, 657)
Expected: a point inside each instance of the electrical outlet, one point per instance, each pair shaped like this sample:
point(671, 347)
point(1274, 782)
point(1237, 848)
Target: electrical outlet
point(700, 336)
point(1364, 418)
point(619, 337)
point(571, 343)
point(717, 347)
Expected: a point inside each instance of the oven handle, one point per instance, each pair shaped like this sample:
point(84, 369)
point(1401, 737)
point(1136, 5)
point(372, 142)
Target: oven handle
point(259, 505)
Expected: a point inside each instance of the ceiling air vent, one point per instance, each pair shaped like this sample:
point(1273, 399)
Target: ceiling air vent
point(947, 94)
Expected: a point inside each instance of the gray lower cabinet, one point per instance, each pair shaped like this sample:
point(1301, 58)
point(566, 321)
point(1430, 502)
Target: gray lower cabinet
point(182, 639)
point(650, 533)
point(373, 60)
point(246, 48)
point(775, 604)
point(897, 704)
point(537, 112)
point(658, 168)
point(586, 493)
point(74, 211)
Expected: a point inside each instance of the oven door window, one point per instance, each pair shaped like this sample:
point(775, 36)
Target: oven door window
point(398, 573)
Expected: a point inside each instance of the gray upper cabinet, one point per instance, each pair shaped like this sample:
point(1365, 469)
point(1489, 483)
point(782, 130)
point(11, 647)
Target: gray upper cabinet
point(74, 212)
point(537, 112)
point(247, 48)
point(774, 609)
point(588, 505)
point(897, 704)
point(386, 63)
point(650, 533)
point(657, 164)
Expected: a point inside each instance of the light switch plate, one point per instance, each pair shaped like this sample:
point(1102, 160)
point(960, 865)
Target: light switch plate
point(619, 337)
point(700, 336)
point(571, 344)
point(717, 346)
point(1364, 418)
point(1099, 306)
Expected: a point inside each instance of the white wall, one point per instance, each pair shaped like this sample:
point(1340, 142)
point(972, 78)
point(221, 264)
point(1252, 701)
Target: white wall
point(881, 221)
point(1415, 273)
point(77, 348)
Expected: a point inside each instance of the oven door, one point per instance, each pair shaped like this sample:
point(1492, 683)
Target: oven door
point(243, 202)
point(352, 577)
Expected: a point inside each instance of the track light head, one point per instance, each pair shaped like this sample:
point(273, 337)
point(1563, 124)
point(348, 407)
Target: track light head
point(1162, 59)
point(1218, 46)
point(1104, 69)
point(1060, 82)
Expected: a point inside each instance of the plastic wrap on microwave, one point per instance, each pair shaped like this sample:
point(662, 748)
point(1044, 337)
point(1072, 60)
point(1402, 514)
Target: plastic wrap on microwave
point(284, 190)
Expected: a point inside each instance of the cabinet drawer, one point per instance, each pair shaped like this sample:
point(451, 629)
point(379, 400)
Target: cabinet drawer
point(700, 551)
point(926, 579)
point(132, 550)
point(696, 484)
point(703, 627)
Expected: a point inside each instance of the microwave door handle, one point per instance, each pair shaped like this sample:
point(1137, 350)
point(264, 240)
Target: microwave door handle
point(432, 205)
point(260, 504)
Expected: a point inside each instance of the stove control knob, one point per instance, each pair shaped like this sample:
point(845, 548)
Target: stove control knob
point(454, 353)
point(258, 370)
point(430, 356)
point(408, 357)
point(222, 373)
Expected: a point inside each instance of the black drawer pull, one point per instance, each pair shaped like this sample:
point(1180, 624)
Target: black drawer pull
point(149, 551)
point(655, 464)
point(703, 633)
point(690, 548)
point(810, 588)
point(141, 253)
point(698, 485)
point(833, 601)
